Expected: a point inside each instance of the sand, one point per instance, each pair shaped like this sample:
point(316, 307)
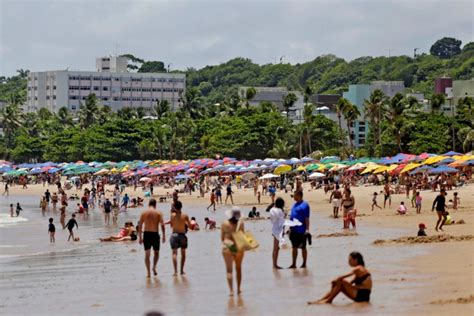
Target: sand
point(438, 278)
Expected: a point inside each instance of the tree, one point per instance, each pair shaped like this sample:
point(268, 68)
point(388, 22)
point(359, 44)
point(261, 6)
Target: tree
point(249, 95)
point(396, 113)
point(446, 48)
point(11, 121)
point(88, 111)
point(339, 110)
point(350, 113)
point(152, 66)
point(281, 149)
point(192, 102)
point(288, 101)
point(64, 117)
point(437, 101)
point(162, 107)
point(373, 111)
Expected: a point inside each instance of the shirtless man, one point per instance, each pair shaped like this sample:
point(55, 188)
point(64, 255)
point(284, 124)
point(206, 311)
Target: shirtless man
point(387, 195)
point(180, 223)
point(151, 218)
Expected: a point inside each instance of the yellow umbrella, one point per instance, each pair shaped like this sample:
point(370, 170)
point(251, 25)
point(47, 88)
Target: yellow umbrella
point(380, 169)
point(174, 162)
point(282, 169)
point(371, 168)
point(337, 167)
point(433, 160)
point(301, 168)
point(410, 166)
point(114, 170)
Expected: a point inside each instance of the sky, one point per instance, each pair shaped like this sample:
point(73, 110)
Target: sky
point(49, 35)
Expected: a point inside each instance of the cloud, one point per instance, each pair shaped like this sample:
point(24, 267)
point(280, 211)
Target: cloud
point(47, 35)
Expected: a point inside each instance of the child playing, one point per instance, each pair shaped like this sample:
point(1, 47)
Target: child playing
point(80, 208)
point(194, 225)
point(70, 226)
point(402, 209)
point(211, 223)
point(213, 200)
point(374, 201)
point(418, 200)
point(18, 209)
point(258, 197)
point(51, 230)
point(456, 201)
point(422, 228)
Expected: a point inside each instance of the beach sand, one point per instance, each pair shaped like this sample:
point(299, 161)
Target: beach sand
point(88, 277)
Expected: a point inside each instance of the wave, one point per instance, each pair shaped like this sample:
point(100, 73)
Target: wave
point(7, 220)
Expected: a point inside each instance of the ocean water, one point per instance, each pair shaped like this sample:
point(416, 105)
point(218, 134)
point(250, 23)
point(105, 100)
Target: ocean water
point(90, 277)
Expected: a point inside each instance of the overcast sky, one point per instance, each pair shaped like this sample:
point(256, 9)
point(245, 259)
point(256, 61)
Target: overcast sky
point(49, 35)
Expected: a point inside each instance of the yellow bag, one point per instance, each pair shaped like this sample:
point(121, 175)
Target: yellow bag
point(244, 240)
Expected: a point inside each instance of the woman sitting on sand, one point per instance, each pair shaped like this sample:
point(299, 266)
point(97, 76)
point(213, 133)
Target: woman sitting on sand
point(127, 233)
point(229, 250)
point(358, 289)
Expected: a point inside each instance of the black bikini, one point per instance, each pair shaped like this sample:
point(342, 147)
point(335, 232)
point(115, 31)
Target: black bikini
point(363, 295)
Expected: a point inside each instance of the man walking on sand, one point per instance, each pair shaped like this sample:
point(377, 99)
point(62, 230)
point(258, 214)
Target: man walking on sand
point(151, 218)
point(179, 222)
point(299, 234)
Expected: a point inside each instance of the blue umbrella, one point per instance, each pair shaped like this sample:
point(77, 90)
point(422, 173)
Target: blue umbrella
point(451, 153)
point(181, 177)
point(443, 169)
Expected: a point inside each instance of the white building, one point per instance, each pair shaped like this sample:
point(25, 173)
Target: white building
point(111, 83)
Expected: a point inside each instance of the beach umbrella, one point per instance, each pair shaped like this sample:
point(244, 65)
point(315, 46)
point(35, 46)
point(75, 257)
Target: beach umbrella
point(182, 177)
point(53, 170)
point(338, 166)
point(101, 172)
point(446, 161)
point(5, 168)
point(312, 167)
point(421, 169)
point(370, 168)
point(145, 179)
point(410, 167)
point(307, 159)
point(452, 153)
point(35, 171)
point(443, 169)
point(282, 169)
point(468, 163)
point(248, 176)
point(316, 175)
point(357, 166)
point(268, 176)
point(301, 168)
point(433, 160)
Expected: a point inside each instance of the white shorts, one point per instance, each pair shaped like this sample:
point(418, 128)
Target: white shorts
point(336, 203)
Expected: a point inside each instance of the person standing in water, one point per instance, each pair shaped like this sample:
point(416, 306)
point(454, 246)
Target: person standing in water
point(6, 192)
point(51, 230)
point(229, 250)
point(179, 222)
point(336, 199)
point(18, 209)
point(277, 218)
point(151, 219)
point(107, 210)
point(298, 234)
point(70, 226)
point(11, 210)
point(358, 289)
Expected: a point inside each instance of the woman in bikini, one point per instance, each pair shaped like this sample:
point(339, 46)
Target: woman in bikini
point(358, 289)
point(348, 202)
point(127, 233)
point(229, 250)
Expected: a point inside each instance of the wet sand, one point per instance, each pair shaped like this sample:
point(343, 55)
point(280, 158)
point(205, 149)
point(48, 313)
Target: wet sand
point(89, 277)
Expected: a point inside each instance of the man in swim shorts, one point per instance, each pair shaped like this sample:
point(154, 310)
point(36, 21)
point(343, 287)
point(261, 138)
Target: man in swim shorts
point(151, 219)
point(180, 222)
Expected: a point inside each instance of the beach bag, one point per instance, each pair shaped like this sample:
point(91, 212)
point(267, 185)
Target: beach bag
point(244, 240)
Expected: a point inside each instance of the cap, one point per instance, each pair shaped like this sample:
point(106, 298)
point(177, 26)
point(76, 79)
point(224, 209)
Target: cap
point(422, 226)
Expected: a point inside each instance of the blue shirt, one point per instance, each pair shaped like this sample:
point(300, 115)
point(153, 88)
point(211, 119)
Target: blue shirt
point(300, 211)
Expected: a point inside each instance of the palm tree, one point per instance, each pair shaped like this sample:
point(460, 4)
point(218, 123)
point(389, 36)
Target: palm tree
point(11, 118)
point(249, 95)
point(192, 102)
point(308, 120)
point(162, 107)
point(398, 109)
point(281, 149)
point(308, 92)
point(373, 111)
point(339, 110)
point(288, 101)
point(104, 114)
point(437, 101)
point(464, 109)
point(350, 113)
point(64, 117)
point(88, 112)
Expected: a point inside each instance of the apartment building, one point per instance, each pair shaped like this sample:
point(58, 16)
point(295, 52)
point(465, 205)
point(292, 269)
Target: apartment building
point(111, 83)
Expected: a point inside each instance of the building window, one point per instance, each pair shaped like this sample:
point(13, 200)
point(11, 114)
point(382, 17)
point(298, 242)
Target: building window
point(105, 88)
point(96, 88)
point(362, 128)
point(47, 97)
point(73, 107)
point(54, 97)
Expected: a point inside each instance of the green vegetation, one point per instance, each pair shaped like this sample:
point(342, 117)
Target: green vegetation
point(216, 119)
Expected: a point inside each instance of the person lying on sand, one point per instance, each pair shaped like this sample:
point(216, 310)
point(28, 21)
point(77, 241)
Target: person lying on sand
point(358, 289)
point(127, 233)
